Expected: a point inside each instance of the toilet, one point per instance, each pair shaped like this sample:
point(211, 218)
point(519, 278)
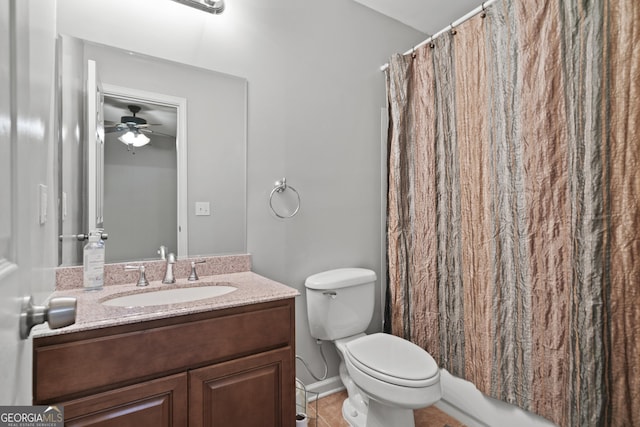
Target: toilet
point(386, 377)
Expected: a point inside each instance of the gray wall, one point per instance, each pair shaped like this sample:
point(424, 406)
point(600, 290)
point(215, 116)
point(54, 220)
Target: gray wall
point(315, 94)
point(139, 198)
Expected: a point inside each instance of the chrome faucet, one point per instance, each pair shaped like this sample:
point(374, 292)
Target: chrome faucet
point(168, 274)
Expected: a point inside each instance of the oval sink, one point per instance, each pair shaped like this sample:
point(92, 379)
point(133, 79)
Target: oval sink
point(169, 296)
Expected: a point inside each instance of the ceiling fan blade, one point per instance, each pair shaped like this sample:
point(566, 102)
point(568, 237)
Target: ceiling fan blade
point(154, 132)
point(111, 129)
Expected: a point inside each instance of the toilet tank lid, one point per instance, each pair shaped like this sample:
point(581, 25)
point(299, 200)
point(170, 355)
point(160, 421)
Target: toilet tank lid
point(340, 278)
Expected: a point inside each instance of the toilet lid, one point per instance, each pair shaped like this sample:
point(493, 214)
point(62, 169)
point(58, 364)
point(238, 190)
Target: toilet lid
point(340, 278)
point(392, 359)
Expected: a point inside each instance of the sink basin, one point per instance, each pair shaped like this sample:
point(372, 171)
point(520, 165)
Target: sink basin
point(169, 296)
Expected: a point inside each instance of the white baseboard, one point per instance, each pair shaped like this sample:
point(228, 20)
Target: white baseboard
point(457, 413)
point(326, 387)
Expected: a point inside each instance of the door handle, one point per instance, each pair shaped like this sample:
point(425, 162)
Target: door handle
point(60, 312)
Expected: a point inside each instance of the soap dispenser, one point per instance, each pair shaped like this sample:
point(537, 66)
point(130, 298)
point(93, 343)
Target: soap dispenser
point(94, 262)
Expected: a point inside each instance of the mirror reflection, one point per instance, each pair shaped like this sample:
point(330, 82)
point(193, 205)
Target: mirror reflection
point(155, 196)
point(140, 174)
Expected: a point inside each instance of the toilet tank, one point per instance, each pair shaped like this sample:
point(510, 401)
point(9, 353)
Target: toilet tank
point(340, 302)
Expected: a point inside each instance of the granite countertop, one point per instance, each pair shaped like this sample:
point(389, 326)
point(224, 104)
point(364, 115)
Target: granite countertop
point(92, 314)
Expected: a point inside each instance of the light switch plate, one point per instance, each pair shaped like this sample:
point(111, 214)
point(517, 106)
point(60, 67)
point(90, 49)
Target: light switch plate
point(203, 209)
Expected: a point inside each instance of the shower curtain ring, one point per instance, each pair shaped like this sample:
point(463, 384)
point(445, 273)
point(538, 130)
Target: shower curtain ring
point(484, 11)
point(431, 43)
point(453, 29)
point(413, 52)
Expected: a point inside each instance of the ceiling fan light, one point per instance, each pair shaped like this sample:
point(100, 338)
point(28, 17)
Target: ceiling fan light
point(134, 138)
point(141, 140)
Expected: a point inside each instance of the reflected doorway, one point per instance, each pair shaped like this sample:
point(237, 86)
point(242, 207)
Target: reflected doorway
point(141, 178)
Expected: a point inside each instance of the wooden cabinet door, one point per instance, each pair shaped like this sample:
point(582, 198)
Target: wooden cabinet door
point(253, 391)
point(157, 403)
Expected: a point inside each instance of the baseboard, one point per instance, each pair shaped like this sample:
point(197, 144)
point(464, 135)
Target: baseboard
point(457, 413)
point(326, 387)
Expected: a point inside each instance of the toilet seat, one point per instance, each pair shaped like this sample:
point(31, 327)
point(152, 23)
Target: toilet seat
point(393, 360)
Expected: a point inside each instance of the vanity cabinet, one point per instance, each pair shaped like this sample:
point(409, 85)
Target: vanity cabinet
point(230, 367)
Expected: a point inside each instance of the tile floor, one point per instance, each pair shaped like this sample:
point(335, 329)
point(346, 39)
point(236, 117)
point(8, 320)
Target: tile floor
point(330, 414)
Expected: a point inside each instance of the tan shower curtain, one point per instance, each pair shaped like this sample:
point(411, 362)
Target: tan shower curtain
point(514, 206)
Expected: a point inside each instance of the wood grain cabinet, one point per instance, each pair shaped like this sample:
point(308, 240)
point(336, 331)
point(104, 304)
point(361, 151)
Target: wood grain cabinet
point(161, 402)
point(246, 392)
point(231, 367)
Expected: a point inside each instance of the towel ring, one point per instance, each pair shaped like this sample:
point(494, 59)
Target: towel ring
point(281, 186)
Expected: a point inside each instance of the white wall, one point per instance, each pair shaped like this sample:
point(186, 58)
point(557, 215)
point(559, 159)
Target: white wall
point(315, 93)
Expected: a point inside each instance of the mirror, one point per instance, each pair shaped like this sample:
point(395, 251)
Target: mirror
point(210, 113)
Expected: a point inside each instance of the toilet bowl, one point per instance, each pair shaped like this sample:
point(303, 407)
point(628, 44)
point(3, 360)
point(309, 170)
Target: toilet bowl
point(386, 377)
point(396, 375)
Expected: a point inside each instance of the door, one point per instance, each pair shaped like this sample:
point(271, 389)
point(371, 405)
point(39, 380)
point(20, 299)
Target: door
point(95, 148)
point(27, 224)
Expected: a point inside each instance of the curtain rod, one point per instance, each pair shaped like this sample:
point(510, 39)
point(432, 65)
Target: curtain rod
point(449, 27)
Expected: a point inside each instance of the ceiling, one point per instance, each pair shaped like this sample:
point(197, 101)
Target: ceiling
point(427, 16)
point(163, 118)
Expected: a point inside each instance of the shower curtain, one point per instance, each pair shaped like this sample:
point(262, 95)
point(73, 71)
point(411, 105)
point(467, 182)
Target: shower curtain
point(514, 206)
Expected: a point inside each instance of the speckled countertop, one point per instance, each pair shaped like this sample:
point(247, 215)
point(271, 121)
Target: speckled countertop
point(92, 314)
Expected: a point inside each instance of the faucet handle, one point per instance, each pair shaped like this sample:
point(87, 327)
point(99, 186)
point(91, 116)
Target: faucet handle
point(194, 275)
point(142, 279)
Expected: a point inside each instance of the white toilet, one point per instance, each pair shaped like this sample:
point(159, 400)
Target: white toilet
point(386, 377)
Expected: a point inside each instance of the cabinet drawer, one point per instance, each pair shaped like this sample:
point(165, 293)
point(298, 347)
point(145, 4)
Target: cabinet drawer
point(76, 368)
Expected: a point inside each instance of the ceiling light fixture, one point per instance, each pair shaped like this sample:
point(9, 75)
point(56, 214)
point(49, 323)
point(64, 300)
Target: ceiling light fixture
point(134, 138)
point(211, 6)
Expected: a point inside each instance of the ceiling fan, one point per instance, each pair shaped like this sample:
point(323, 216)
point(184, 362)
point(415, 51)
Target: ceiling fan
point(133, 128)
